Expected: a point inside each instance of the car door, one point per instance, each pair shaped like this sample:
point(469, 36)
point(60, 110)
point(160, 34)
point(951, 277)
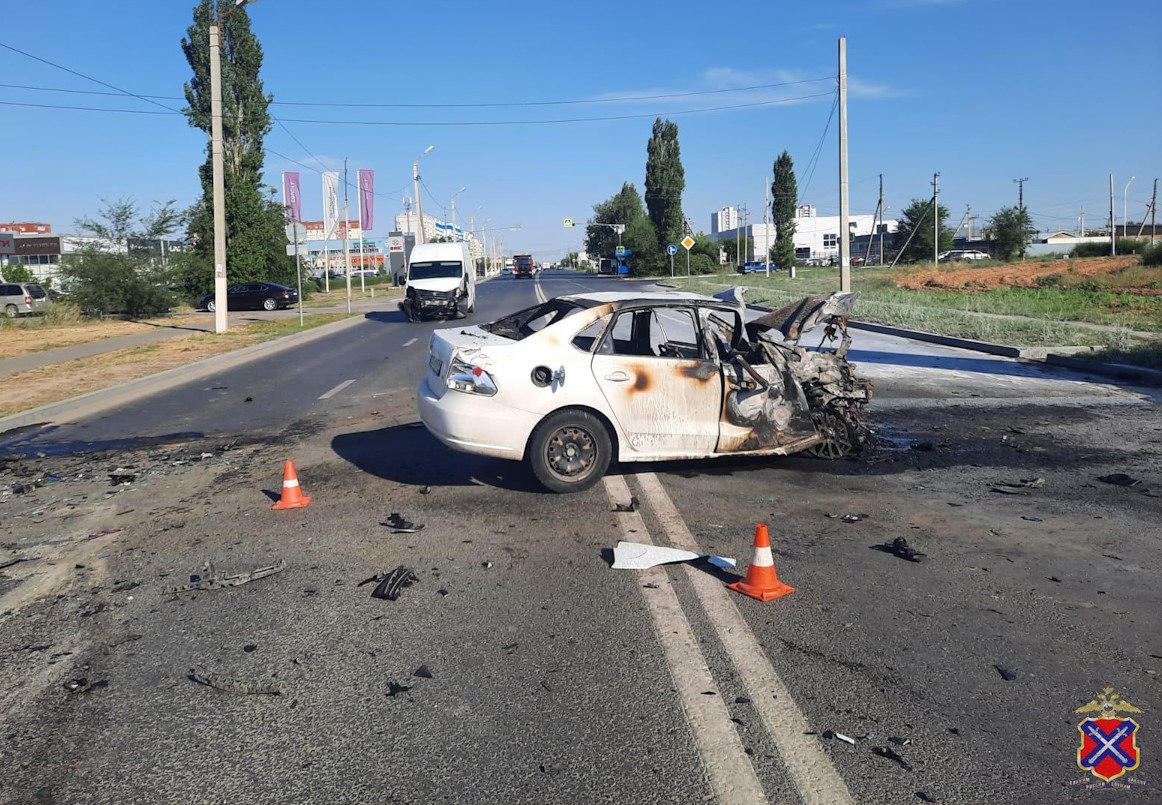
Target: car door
point(661, 386)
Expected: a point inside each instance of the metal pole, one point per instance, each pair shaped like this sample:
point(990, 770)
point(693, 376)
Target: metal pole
point(766, 226)
point(844, 214)
point(671, 266)
point(1153, 211)
point(362, 259)
point(298, 271)
point(346, 236)
point(936, 218)
point(1126, 207)
point(420, 239)
point(219, 180)
point(1113, 224)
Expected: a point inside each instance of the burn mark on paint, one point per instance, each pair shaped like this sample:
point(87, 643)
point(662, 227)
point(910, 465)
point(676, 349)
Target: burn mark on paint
point(702, 371)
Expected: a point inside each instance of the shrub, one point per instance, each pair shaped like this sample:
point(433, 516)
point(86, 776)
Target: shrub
point(101, 283)
point(1123, 246)
point(1152, 255)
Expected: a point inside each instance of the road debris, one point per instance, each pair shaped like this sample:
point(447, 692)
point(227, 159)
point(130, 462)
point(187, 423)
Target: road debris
point(899, 547)
point(1021, 487)
point(78, 685)
point(210, 580)
point(853, 518)
point(15, 561)
point(395, 688)
point(924, 796)
point(1119, 479)
point(265, 687)
point(400, 525)
point(899, 740)
point(391, 583)
point(123, 476)
point(1007, 674)
point(1031, 519)
point(893, 755)
point(422, 672)
point(104, 532)
point(425, 490)
point(847, 739)
point(639, 556)
point(627, 507)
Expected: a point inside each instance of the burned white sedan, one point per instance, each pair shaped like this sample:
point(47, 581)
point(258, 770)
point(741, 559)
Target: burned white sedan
point(579, 381)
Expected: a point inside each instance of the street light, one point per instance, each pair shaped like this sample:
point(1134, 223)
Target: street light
point(217, 168)
point(453, 205)
point(1125, 196)
point(419, 201)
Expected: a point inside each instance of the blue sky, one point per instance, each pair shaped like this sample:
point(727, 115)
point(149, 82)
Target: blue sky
point(983, 91)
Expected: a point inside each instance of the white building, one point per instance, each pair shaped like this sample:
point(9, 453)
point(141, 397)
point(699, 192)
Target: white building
point(816, 236)
point(723, 220)
point(407, 221)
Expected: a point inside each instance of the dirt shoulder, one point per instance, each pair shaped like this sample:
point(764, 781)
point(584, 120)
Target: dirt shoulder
point(1018, 275)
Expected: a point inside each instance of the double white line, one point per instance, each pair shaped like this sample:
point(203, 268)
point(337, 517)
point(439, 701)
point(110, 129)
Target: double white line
point(731, 775)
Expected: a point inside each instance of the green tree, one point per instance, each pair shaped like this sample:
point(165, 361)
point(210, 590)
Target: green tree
point(665, 181)
point(730, 246)
point(784, 202)
point(255, 241)
point(1011, 229)
point(624, 208)
point(917, 218)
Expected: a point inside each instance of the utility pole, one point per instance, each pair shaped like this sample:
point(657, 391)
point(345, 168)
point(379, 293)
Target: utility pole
point(1020, 183)
point(1113, 242)
point(737, 236)
point(970, 219)
point(877, 217)
point(883, 225)
point(1153, 210)
point(844, 228)
point(219, 181)
point(766, 226)
point(936, 218)
point(346, 236)
point(1081, 223)
point(419, 199)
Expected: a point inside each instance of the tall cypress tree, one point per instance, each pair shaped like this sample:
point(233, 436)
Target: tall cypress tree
point(255, 242)
point(785, 193)
point(665, 181)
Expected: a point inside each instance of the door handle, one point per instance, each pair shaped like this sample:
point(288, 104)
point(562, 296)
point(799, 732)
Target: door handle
point(617, 377)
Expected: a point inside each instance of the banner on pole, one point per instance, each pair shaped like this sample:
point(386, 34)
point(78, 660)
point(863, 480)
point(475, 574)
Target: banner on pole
point(366, 199)
point(292, 198)
point(330, 203)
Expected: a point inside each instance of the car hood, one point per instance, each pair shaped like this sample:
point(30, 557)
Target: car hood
point(806, 314)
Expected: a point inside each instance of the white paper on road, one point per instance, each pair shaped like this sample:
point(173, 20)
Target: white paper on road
point(637, 556)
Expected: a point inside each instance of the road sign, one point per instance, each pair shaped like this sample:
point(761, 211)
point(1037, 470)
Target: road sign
point(688, 242)
point(295, 232)
point(7, 243)
point(671, 250)
point(290, 250)
point(620, 251)
point(569, 223)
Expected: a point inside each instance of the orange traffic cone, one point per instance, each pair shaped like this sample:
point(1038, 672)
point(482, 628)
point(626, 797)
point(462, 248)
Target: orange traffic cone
point(292, 496)
point(761, 581)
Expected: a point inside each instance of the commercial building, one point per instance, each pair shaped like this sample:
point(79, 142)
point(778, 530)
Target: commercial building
point(816, 236)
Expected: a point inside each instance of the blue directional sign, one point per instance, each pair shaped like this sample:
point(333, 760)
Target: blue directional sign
point(671, 250)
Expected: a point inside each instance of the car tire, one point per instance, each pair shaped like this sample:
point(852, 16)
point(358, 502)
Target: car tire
point(569, 451)
point(840, 438)
point(269, 304)
point(11, 311)
point(211, 306)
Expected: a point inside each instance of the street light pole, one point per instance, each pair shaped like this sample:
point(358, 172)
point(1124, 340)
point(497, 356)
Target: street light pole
point(218, 169)
point(453, 204)
point(419, 201)
point(1125, 207)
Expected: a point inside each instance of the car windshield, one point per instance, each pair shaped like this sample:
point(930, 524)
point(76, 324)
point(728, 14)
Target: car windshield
point(532, 320)
point(435, 269)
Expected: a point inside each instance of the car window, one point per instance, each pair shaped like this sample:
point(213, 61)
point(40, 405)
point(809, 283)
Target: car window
point(10, 290)
point(531, 320)
point(662, 332)
point(236, 289)
point(720, 327)
point(585, 339)
point(35, 291)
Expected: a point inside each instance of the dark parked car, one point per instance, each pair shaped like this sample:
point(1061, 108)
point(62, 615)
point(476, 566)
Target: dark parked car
point(756, 268)
point(254, 295)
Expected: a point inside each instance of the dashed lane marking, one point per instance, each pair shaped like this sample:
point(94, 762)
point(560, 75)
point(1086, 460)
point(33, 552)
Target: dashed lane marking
point(328, 395)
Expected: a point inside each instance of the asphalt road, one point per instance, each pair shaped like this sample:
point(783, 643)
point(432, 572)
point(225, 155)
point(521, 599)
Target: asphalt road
point(552, 677)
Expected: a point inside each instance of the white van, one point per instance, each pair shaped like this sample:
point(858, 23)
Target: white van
point(441, 281)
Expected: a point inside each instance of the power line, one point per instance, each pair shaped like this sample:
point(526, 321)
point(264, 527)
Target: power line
point(446, 105)
point(448, 123)
point(814, 161)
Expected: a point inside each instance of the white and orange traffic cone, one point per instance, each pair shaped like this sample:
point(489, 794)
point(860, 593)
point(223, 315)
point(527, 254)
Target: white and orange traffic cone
point(292, 495)
point(762, 582)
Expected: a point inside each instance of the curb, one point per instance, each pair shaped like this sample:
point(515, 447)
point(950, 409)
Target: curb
point(1119, 371)
point(96, 401)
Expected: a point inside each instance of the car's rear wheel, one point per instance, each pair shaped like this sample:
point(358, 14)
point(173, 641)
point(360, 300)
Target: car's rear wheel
point(840, 438)
point(11, 312)
point(269, 304)
point(569, 451)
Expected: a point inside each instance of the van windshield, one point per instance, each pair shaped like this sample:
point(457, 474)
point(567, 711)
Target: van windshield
point(435, 269)
point(35, 291)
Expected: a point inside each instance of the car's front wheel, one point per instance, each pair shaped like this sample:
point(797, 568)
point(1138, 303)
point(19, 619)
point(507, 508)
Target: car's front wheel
point(211, 306)
point(569, 451)
point(269, 304)
point(840, 437)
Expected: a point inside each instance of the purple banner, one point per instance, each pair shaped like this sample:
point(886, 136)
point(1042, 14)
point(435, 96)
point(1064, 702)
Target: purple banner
point(366, 199)
point(292, 199)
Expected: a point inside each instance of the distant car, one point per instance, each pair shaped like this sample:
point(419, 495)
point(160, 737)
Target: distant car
point(23, 299)
point(756, 268)
point(253, 296)
point(364, 272)
point(964, 254)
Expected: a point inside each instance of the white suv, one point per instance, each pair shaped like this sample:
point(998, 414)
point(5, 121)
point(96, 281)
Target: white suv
point(964, 254)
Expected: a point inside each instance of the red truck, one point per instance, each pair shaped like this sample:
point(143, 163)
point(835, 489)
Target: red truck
point(522, 266)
